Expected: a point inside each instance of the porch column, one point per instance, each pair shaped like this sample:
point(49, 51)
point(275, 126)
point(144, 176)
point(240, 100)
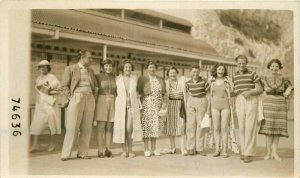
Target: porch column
point(200, 64)
point(164, 72)
point(104, 54)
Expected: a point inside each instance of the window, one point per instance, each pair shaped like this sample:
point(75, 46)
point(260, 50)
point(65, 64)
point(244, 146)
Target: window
point(113, 12)
point(143, 18)
point(176, 26)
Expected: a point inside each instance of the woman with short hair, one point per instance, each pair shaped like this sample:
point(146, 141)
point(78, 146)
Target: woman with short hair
point(105, 108)
point(276, 90)
point(176, 111)
point(127, 126)
point(152, 90)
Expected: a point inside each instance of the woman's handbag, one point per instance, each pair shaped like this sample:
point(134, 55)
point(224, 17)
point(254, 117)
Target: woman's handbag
point(206, 121)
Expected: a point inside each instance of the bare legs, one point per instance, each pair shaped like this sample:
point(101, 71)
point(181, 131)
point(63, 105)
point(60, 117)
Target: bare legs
point(182, 141)
point(153, 147)
point(172, 143)
point(127, 146)
point(35, 145)
point(51, 144)
point(272, 145)
point(104, 134)
point(220, 127)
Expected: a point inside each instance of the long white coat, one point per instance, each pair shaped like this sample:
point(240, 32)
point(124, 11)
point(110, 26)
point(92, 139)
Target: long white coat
point(120, 111)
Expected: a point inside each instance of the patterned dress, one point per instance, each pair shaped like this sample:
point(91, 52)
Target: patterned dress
point(175, 122)
point(152, 124)
point(274, 106)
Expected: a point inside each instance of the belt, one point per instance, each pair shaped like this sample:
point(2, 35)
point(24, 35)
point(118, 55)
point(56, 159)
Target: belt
point(175, 98)
point(85, 93)
point(109, 96)
point(198, 96)
point(277, 93)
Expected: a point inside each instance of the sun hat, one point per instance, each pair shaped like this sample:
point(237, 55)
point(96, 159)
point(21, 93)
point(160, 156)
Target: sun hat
point(44, 63)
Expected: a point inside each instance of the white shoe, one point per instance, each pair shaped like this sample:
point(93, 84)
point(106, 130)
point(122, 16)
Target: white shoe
point(156, 153)
point(184, 152)
point(147, 153)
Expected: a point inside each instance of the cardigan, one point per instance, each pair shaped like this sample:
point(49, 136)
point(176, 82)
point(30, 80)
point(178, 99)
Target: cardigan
point(144, 88)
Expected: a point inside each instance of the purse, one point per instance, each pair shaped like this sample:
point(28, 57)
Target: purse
point(206, 121)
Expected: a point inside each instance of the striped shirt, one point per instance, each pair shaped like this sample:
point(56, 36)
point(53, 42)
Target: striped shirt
point(245, 81)
point(197, 89)
point(84, 84)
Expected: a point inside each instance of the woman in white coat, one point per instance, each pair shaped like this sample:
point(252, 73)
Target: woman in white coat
point(127, 123)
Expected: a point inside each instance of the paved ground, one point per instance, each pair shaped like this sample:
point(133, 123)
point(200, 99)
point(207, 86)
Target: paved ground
point(43, 163)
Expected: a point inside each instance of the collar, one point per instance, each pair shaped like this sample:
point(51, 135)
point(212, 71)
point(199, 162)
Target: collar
point(245, 71)
point(197, 81)
point(81, 66)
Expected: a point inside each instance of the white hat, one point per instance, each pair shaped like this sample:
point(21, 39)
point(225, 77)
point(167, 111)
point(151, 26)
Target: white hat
point(44, 63)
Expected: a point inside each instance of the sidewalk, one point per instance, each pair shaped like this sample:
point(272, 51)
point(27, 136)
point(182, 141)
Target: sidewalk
point(44, 163)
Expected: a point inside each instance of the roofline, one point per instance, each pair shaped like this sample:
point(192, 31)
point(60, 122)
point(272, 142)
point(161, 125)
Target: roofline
point(183, 54)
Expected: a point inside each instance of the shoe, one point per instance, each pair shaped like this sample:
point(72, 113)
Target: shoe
point(190, 152)
point(107, 153)
point(267, 157)
point(276, 157)
point(83, 157)
point(242, 157)
point(131, 155)
point(184, 152)
point(51, 148)
point(124, 155)
point(34, 149)
point(64, 159)
point(147, 153)
point(172, 151)
point(202, 153)
point(156, 153)
point(224, 155)
point(247, 159)
point(216, 154)
point(100, 155)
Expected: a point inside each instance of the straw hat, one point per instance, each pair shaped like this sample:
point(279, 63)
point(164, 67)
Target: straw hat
point(44, 63)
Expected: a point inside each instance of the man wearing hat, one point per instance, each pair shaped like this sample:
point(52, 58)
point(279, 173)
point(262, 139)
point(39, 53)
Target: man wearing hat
point(79, 86)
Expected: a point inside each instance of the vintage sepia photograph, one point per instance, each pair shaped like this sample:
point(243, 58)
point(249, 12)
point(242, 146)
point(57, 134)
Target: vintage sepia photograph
point(128, 92)
point(144, 90)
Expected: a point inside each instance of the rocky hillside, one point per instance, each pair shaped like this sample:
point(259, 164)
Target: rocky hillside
point(260, 34)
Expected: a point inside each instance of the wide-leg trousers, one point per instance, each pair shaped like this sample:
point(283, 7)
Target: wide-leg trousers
point(79, 121)
point(196, 108)
point(247, 113)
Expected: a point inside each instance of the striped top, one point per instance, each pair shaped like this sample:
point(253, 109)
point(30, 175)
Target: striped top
point(84, 84)
point(245, 81)
point(197, 89)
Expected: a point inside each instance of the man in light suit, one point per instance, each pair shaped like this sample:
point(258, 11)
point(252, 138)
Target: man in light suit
point(79, 86)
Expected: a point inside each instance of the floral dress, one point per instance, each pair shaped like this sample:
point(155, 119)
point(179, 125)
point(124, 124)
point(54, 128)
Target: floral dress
point(152, 124)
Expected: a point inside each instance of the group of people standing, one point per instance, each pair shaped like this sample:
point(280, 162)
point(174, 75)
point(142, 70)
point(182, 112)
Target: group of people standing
point(128, 108)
